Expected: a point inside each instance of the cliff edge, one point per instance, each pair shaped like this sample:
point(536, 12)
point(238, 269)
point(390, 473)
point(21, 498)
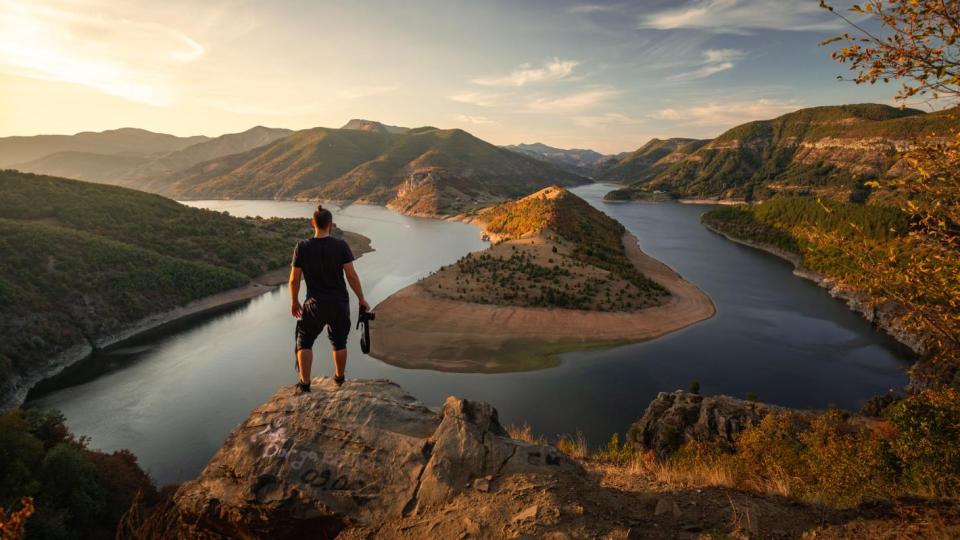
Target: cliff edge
point(367, 460)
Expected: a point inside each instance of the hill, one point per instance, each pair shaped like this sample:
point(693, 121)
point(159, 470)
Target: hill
point(84, 262)
point(649, 160)
point(123, 141)
point(373, 126)
point(130, 169)
point(425, 171)
point(828, 151)
point(576, 160)
point(554, 250)
point(565, 276)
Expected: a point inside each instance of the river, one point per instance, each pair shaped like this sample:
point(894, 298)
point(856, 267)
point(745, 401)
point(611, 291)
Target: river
point(173, 395)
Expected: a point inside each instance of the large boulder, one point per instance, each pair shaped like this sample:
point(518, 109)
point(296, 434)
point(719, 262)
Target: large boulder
point(673, 419)
point(313, 464)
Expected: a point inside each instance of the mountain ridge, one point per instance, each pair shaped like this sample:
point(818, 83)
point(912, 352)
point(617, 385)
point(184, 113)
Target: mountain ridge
point(135, 141)
point(128, 169)
point(828, 150)
point(423, 171)
point(581, 161)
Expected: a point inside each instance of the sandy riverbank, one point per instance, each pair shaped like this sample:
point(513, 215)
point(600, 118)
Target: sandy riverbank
point(416, 329)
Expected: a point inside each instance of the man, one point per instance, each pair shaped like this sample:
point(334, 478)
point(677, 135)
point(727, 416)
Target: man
point(323, 261)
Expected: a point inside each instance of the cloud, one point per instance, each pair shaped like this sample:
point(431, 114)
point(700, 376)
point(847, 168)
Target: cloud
point(98, 48)
point(606, 120)
point(738, 16)
point(714, 61)
point(573, 102)
point(479, 99)
point(595, 8)
point(553, 70)
point(478, 120)
point(727, 114)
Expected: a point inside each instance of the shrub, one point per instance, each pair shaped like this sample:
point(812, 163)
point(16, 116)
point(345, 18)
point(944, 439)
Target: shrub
point(78, 493)
point(926, 441)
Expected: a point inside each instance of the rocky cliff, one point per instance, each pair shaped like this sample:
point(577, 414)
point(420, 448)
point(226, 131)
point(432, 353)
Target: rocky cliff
point(367, 460)
point(679, 417)
point(354, 457)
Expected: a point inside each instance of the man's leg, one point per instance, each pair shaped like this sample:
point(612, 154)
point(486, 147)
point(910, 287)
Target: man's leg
point(339, 362)
point(305, 362)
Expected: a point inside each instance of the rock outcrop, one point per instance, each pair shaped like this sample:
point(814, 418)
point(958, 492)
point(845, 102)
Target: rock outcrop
point(679, 417)
point(368, 452)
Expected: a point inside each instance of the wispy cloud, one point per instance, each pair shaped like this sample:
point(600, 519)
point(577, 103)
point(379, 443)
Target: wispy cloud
point(742, 15)
point(477, 120)
point(552, 70)
point(714, 61)
point(106, 51)
point(606, 120)
point(594, 8)
point(480, 99)
point(573, 102)
point(727, 114)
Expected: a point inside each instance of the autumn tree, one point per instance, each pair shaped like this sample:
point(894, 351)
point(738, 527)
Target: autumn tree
point(914, 42)
point(13, 523)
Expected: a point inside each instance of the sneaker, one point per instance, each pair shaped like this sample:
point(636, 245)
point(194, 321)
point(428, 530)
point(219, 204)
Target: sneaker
point(302, 388)
point(339, 379)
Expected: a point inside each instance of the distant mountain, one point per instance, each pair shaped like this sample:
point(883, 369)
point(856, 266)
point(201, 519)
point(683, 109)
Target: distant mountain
point(129, 170)
point(649, 160)
point(371, 125)
point(89, 166)
point(424, 171)
point(829, 151)
point(576, 160)
point(123, 141)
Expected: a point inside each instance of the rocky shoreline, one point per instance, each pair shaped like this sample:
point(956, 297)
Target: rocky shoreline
point(884, 316)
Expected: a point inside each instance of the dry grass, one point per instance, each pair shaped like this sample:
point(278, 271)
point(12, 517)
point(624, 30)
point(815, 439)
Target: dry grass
point(524, 433)
point(574, 446)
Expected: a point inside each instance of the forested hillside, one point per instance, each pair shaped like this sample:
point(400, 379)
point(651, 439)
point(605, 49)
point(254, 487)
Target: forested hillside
point(421, 171)
point(829, 151)
point(79, 261)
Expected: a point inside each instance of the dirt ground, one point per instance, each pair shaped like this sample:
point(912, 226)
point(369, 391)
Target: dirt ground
point(612, 504)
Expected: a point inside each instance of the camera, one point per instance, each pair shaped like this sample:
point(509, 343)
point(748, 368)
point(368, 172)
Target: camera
point(364, 320)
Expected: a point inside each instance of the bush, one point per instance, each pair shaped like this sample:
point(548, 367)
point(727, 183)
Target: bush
point(926, 441)
point(77, 492)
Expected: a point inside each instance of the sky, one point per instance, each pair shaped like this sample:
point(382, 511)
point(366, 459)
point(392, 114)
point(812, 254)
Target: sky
point(602, 75)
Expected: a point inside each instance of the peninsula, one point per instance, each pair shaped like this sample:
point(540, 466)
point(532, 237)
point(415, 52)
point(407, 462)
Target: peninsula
point(561, 275)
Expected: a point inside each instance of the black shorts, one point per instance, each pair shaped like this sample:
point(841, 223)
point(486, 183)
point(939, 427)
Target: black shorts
point(334, 315)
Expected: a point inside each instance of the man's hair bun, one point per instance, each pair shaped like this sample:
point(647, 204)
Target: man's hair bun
point(322, 217)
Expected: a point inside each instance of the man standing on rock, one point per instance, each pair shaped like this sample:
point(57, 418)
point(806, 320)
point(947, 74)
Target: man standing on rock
point(323, 261)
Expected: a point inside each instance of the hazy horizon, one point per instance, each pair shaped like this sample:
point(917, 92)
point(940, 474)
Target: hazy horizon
point(607, 76)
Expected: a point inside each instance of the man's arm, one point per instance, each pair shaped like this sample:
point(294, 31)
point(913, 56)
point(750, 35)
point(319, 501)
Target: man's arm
point(354, 280)
point(295, 309)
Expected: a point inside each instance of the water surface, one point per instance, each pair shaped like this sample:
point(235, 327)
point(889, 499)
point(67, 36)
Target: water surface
point(173, 396)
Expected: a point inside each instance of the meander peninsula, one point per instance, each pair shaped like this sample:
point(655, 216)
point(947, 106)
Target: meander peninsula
point(560, 275)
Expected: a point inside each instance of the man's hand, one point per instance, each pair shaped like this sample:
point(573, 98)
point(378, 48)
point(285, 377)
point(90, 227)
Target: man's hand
point(295, 309)
point(364, 306)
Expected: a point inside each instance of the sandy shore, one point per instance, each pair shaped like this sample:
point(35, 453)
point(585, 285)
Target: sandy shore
point(415, 329)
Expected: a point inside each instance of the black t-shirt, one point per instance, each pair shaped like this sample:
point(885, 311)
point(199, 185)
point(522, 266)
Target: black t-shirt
point(322, 260)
